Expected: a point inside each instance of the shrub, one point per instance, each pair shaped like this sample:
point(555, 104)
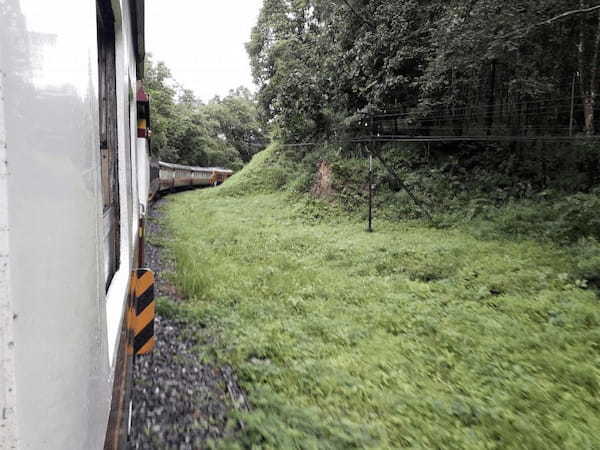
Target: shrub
point(587, 254)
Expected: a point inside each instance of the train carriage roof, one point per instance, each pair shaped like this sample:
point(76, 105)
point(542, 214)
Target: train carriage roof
point(194, 168)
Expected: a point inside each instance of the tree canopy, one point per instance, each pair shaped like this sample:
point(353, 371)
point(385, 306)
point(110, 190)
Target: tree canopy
point(441, 67)
point(225, 132)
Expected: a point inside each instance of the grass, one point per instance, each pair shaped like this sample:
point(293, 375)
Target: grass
point(408, 337)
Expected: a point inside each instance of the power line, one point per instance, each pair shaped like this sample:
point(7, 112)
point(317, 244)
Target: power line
point(401, 138)
point(561, 101)
point(461, 119)
point(444, 139)
point(564, 15)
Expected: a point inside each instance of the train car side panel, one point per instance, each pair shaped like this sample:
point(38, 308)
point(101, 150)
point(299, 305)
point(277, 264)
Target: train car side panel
point(8, 420)
point(54, 212)
point(65, 325)
point(143, 171)
point(177, 176)
point(165, 177)
point(154, 178)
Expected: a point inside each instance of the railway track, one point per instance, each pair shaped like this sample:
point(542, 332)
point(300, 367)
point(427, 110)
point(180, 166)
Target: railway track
point(179, 402)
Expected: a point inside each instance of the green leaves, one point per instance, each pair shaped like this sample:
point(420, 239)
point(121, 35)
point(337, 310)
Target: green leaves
point(225, 133)
point(407, 337)
point(451, 67)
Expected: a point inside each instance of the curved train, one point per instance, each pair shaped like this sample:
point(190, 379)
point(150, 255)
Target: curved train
point(76, 180)
point(174, 176)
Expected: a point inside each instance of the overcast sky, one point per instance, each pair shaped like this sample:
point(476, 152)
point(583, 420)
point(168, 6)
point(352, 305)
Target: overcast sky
point(202, 42)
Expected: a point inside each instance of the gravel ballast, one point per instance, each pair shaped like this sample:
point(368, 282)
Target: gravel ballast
point(179, 401)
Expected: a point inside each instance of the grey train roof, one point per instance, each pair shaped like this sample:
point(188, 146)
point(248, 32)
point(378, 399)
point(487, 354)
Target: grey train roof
point(192, 168)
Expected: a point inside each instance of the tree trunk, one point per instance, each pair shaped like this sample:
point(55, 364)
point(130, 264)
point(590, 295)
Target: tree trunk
point(588, 80)
point(590, 103)
point(588, 113)
point(491, 103)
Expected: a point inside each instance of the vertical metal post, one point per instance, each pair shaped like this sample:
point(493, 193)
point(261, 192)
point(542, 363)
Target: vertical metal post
point(370, 230)
point(141, 242)
point(572, 106)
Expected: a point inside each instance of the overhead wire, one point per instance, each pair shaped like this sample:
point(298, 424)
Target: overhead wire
point(499, 114)
point(563, 101)
point(442, 139)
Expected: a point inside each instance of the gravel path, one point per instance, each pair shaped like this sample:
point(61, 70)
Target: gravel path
point(179, 402)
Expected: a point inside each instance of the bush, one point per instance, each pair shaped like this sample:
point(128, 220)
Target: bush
point(468, 184)
point(587, 253)
point(576, 216)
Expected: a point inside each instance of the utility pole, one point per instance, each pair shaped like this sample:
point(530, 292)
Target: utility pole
point(572, 105)
point(370, 229)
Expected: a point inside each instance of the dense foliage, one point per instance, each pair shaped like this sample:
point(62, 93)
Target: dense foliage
point(333, 70)
point(475, 329)
point(464, 67)
point(225, 132)
point(409, 337)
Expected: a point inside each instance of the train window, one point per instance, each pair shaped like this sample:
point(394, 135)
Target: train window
point(107, 102)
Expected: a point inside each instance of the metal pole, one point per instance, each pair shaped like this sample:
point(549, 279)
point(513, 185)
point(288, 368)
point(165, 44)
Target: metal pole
point(572, 106)
point(370, 230)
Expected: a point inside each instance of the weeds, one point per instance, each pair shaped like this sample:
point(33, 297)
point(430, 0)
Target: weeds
point(413, 336)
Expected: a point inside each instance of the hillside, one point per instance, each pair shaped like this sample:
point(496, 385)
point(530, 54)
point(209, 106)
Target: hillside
point(483, 189)
point(469, 318)
point(443, 334)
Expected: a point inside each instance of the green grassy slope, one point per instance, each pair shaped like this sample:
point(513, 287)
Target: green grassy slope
point(408, 337)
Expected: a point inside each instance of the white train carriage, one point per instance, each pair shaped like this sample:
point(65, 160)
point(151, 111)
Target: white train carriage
point(74, 184)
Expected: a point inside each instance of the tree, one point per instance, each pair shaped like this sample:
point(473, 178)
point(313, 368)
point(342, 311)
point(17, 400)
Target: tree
point(460, 67)
point(184, 130)
point(157, 84)
point(588, 49)
point(238, 121)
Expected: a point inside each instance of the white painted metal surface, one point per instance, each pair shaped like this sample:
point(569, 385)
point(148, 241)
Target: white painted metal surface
point(8, 422)
point(58, 327)
point(143, 171)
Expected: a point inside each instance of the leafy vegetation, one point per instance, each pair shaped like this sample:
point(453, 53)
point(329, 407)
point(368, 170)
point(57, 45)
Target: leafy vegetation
point(225, 132)
point(432, 67)
point(333, 71)
point(414, 336)
point(478, 328)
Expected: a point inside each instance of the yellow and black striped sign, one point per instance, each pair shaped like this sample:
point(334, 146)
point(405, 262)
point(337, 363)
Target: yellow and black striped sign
point(145, 311)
